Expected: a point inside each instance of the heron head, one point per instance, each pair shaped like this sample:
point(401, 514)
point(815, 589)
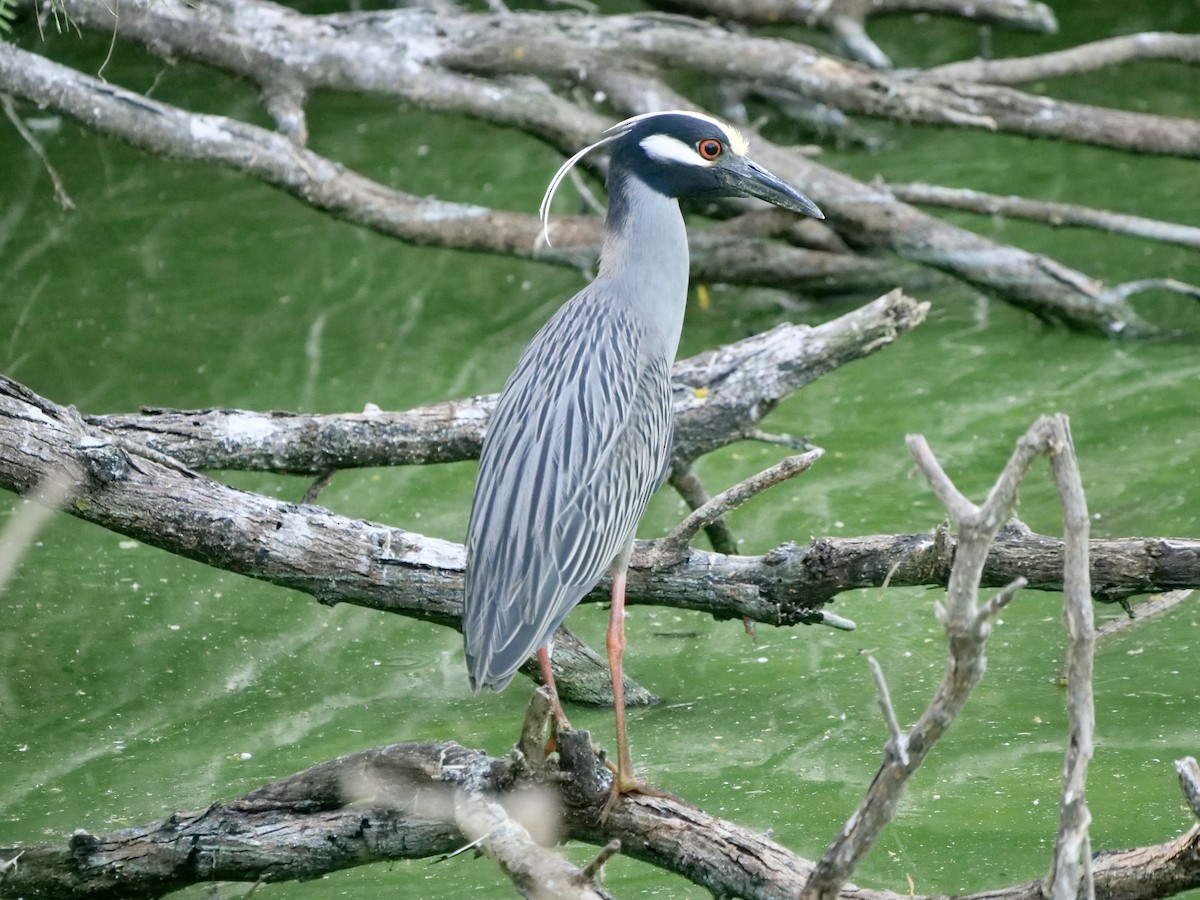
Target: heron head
point(688, 156)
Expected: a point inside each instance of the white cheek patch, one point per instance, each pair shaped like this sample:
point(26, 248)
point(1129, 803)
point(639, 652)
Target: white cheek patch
point(668, 149)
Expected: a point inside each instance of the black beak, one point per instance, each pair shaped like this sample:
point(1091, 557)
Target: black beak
point(753, 180)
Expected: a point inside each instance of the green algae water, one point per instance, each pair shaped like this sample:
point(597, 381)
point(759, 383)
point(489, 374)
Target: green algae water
point(134, 683)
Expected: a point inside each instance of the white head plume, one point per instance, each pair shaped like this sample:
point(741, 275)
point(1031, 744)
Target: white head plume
point(736, 142)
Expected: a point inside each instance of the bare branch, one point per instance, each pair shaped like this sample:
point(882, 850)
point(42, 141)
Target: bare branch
point(898, 742)
point(1073, 61)
point(1051, 213)
point(992, 608)
point(1071, 871)
point(850, 32)
point(967, 631)
point(1020, 14)
point(672, 548)
point(695, 495)
point(607, 852)
point(538, 712)
point(844, 19)
point(1129, 288)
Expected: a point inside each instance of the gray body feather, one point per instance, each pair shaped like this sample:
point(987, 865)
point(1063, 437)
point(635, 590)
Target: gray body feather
point(579, 442)
point(581, 436)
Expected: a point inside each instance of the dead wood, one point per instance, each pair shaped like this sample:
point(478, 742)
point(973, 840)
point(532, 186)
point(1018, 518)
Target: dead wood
point(967, 626)
point(1079, 60)
point(1019, 14)
point(135, 474)
point(424, 799)
point(140, 492)
point(720, 396)
point(398, 802)
point(1048, 212)
point(327, 185)
point(450, 63)
point(845, 20)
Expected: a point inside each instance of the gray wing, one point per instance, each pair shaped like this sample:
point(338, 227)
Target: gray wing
point(577, 445)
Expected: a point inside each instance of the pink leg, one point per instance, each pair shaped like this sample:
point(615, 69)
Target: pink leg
point(624, 780)
point(543, 655)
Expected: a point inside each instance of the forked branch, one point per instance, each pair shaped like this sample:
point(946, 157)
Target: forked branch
point(967, 626)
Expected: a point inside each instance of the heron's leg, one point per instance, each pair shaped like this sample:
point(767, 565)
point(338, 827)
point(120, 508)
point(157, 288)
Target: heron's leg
point(560, 717)
point(624, 780)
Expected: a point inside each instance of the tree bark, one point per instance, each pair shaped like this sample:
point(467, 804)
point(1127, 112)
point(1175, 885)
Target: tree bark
point(465, 63)
point(398, 802)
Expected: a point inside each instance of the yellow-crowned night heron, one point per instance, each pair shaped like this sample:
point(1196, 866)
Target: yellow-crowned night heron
point(581, 436)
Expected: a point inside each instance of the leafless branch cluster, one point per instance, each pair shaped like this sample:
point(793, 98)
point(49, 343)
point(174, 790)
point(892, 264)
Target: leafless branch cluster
point(519, 69)
point(125, 473)
point(419, 800)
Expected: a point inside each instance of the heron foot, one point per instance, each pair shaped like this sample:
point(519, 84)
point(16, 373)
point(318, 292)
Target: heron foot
point(627, 783)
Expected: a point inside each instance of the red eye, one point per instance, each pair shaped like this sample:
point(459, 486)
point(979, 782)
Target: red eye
point(710, 148)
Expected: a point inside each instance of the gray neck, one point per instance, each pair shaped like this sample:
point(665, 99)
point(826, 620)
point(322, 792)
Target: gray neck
point(645, 256)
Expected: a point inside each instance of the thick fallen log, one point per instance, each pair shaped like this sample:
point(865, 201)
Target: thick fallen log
point(398, 803)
